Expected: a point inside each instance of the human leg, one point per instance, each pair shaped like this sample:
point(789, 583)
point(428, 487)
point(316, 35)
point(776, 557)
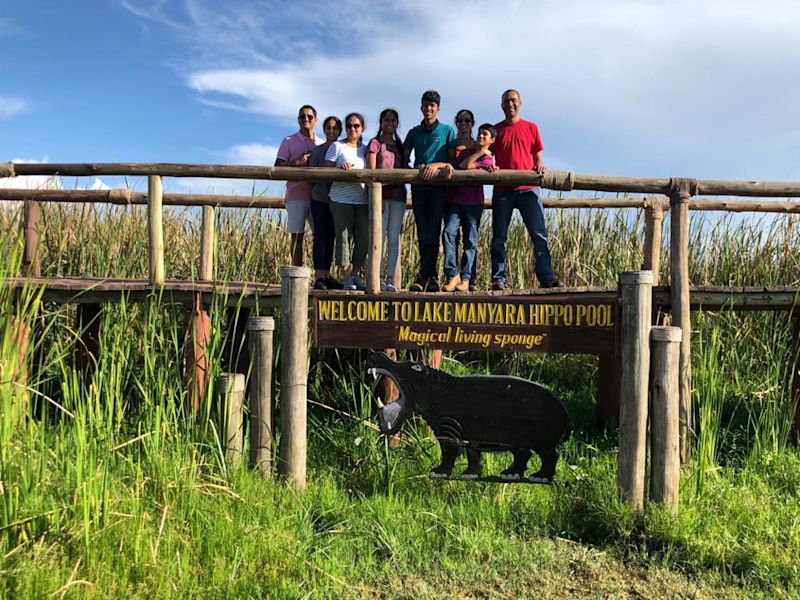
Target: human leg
point(502, 207)
point(470, 220)
point(532, 213)
point(450, 239)
point(342, 223)
point(419, 199)
point(393, 214)
point(360, 235)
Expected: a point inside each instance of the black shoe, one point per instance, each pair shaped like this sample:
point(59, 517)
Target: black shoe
point(333, 284)
point(321, 284)
point(498, 285)
point(431, 285)
point(418, 285)
point(553, 283)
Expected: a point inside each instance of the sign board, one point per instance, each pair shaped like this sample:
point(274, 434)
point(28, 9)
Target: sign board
point(584, 324)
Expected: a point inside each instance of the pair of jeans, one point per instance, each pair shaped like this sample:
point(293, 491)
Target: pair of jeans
point(428, 202)
point(324, 234)
point(351, 222)
point(530, 209)
point(468, 218)
point(393, 213)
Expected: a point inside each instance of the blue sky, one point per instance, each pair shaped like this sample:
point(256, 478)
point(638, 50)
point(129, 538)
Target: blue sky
point(682, 88)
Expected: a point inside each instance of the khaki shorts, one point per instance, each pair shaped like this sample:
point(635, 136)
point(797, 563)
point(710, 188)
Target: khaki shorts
point(298, 213)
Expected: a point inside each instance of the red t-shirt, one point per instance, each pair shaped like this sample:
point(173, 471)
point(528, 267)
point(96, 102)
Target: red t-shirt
point(515, 147)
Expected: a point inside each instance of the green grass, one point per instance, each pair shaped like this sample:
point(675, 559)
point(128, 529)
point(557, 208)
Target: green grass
point(111, 490)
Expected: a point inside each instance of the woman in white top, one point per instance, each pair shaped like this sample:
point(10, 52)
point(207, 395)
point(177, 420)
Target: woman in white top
point(349, 205)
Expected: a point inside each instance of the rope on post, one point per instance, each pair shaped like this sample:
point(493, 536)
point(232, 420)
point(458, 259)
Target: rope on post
point(7, 170)
point(260, 332)
point(559, 180)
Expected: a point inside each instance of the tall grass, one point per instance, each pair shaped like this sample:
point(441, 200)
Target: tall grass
point(111, 488)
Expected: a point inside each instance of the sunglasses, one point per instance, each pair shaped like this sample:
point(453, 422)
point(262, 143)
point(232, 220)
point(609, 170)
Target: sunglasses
point(305, 117)
point(353, 125)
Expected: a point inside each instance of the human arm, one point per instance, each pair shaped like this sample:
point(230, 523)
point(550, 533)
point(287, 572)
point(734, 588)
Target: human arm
point(430, 171)
point(471, 161)
point(538, 163)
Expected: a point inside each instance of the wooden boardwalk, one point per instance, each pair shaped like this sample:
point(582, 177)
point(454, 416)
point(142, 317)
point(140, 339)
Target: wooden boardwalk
point(94, 290)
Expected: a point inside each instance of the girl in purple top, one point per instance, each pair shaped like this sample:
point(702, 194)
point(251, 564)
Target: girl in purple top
point(464, 212)
point(385, 151)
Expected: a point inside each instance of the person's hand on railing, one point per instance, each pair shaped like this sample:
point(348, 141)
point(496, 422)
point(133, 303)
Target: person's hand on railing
point(346, 166)
point(430, 171)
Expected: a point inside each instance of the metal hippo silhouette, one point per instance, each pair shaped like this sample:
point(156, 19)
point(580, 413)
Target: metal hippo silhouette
point(480, 413)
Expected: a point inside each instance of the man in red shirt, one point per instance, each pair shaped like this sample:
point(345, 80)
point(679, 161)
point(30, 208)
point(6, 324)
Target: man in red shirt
point(518, 146)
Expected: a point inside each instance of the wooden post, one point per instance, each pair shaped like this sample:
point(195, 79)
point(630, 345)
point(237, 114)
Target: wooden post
point(636, 304)
point(665, 460)
point(230, 390)
point(197, 363)
point(197, 359)
point(375, 237)
point(654, 218)
point(30, 256)
point(682, 190)
point(87, 324)
point(294, 373)
point(207, 244)
point(260, 330)
point(155, 229)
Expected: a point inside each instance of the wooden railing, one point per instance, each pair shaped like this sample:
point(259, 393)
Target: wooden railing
point(675, 194)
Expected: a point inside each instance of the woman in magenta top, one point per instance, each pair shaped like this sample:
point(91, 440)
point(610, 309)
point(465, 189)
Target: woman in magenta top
point(385, 151)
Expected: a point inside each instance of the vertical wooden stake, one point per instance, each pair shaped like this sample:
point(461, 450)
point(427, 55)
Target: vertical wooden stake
point(636, 303)
point(230, 390)
point(207, 244)
point(665, 460)
point(30, 256)
point(294, 373)
point(375, 237)
point(88, 321)
point(260, 330)
point(197, 360)
point(681, 315)
point(654, 218)
point(155, 229)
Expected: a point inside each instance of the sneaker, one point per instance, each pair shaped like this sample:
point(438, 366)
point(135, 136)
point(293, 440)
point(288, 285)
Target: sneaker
point(431, 285)
point(472, 286)
point(321, 284)
point(359, 283)
point(452, 284)
point(418, 285)
point(463, 286)
point(553, 283)
point(349, 283)
point(498, 285)
point(332, 283)
point(383, 285)
point(390, 287)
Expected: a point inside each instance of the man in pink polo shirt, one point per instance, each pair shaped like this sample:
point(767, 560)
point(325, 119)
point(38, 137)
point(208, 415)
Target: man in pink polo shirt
point(295, 151)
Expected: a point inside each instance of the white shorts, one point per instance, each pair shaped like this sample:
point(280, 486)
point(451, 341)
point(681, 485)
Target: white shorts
point(298, 212)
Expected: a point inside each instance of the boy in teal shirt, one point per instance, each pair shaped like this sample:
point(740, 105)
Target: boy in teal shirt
point(428, 141)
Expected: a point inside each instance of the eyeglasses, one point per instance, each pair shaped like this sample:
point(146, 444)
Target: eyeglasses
point(463, 121)
point(305, 117)
point(353, 125)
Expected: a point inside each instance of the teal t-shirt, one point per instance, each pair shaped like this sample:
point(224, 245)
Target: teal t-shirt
point(429, 146)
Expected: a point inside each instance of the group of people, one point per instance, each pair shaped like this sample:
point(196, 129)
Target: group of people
point(339, 215)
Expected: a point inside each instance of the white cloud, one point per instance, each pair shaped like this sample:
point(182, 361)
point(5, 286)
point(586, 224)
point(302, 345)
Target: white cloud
point(11, 106)
point(253, 154)
point(629, 87)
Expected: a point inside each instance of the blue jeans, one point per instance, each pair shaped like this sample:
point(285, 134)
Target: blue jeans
point(428, 202)
point(468, 218)
point(324, 234)
point(530, 209)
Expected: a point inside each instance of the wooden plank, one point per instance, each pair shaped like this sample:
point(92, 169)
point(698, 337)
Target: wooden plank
point(576, 181)
point(508, 323)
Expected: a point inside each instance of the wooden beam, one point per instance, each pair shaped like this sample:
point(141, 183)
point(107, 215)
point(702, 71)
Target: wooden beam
point(574, 181)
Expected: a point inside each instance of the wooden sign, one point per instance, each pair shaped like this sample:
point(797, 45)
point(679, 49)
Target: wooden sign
point(552, 323)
